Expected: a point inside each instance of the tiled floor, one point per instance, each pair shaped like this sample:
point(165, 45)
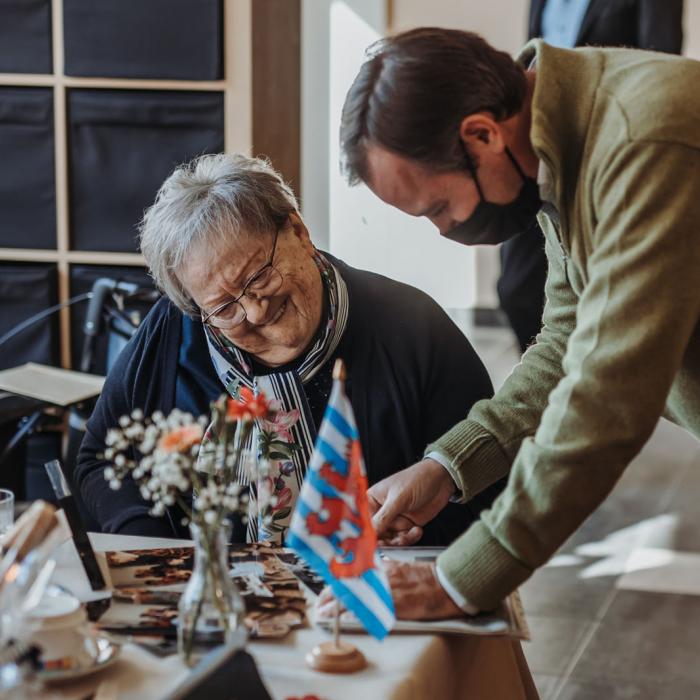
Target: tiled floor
point(590, 638)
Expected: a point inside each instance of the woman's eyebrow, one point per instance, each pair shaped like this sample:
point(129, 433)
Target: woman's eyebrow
point(224, 296)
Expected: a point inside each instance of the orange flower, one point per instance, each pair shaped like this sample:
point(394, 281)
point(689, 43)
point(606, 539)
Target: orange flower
point(248, 406)
point(181, 439)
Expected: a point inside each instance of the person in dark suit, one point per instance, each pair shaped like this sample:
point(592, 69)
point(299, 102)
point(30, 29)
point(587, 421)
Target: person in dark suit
point(644, 24)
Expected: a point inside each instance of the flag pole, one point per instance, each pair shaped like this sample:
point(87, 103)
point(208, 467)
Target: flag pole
point(339, 373)
point(336, 626)
point(336, 656)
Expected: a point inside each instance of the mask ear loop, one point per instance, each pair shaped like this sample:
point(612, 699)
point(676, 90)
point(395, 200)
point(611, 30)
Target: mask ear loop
point(471, 169)
point(516, 165)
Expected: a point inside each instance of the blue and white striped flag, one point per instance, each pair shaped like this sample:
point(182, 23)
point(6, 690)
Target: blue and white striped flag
point(331, 528)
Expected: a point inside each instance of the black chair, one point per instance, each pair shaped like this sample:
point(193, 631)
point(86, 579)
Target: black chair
point(107, 317)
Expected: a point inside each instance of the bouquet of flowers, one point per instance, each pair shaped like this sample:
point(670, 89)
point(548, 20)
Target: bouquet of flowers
point(171, 457)
point(200, 464)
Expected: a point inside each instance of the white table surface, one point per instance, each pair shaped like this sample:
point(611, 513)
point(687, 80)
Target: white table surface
point(402, 667)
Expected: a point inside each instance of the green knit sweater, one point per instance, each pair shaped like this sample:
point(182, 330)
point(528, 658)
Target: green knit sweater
point(619, 132)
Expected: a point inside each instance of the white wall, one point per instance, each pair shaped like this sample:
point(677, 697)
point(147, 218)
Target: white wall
point(315, 118)
point(503, 23)
point(364, 231)
point(352, 222)
point(691, 22)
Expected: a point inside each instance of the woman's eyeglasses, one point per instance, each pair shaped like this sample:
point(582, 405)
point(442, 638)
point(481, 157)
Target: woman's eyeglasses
point(264, 283)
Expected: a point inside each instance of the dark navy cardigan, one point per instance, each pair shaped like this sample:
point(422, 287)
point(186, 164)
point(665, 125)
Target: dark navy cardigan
point(412, 375)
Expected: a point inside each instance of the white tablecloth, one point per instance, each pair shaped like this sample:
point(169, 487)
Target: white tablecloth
point(403, 667)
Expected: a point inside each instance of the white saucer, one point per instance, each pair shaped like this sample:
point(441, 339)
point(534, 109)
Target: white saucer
point(99, 653)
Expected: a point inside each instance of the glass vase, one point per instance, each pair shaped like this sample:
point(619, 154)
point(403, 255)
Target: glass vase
point(211, 611)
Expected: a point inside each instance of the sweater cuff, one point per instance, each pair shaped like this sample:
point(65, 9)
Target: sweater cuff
point(476, 457)
point(481, 569)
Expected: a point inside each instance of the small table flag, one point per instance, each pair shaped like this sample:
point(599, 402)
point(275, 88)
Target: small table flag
point(331, 528)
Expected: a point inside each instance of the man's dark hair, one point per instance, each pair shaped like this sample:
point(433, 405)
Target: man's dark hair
point(415, 89)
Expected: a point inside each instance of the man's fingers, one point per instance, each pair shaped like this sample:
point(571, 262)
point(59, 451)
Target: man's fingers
point(406, 538)
point(374, 504)
point(383, 518)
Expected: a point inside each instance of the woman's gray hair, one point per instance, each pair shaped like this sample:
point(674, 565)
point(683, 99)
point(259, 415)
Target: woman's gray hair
point(205, 203)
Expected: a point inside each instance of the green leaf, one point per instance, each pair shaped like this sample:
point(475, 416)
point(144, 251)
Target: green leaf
point(281, 514)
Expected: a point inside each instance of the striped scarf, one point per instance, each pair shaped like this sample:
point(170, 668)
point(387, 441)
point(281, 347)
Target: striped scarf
point(286, 388)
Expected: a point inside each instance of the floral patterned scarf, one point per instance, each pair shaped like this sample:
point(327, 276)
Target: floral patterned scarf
point(293, 422)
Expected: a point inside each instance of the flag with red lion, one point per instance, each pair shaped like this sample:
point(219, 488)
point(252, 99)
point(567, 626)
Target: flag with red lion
point(332, 527)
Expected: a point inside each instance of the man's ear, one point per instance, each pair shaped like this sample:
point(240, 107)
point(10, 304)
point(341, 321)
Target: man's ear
point(481, 133)
point(302, 233)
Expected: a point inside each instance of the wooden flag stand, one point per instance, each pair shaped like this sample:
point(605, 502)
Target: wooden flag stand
point(336, 656)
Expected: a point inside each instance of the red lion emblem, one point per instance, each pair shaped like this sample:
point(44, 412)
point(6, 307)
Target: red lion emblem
point(354, 555)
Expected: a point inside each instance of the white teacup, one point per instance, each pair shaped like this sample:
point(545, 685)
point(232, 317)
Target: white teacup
point(57, 626)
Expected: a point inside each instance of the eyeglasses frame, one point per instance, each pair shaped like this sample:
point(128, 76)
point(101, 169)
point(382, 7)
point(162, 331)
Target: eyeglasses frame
point(221, 307)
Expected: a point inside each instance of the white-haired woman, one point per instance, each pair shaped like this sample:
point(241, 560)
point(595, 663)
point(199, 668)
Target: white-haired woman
point(249, 301)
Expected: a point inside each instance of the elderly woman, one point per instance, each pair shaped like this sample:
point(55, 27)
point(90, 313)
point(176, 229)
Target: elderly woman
point(249, 301)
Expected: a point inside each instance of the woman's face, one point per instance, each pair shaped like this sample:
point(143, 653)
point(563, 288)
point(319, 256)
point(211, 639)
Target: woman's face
point(278, 328)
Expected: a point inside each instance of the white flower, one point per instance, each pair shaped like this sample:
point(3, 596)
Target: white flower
point(210, 517)
point(109, 473)
point(134, 431)
point(137, 414)
point(115, 484)
point(124, 421)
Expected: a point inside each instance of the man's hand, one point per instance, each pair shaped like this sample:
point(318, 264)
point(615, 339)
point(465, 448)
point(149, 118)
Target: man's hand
point(403, 502)
point(416, 591)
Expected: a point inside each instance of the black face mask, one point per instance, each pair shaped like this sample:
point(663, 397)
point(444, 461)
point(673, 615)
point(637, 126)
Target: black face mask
point(493, 223)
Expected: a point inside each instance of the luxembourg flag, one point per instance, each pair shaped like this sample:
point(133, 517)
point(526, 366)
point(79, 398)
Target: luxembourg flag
point(332, 528)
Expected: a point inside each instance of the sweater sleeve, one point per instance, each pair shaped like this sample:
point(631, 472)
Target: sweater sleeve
point(635, 318)
point(482, 447)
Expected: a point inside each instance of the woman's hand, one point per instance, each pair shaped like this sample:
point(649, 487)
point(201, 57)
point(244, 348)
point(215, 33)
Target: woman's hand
point(403, 502)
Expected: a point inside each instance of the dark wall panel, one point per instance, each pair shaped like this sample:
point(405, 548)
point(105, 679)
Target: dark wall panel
point(122, 145)
point(24, 291)
point(27, 187)
point(25, 36)
point(177, 39)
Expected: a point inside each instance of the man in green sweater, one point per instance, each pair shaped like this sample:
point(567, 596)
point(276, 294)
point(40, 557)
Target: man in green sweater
point(603, 147)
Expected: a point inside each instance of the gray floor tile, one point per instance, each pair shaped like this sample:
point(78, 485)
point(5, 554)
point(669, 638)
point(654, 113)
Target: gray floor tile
point(627, 689)
point(646, 491)
point(625, 644)
point(554, 642)
point(561, 592)
point(649, 637)
point(684, 506)
point(546, 685)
